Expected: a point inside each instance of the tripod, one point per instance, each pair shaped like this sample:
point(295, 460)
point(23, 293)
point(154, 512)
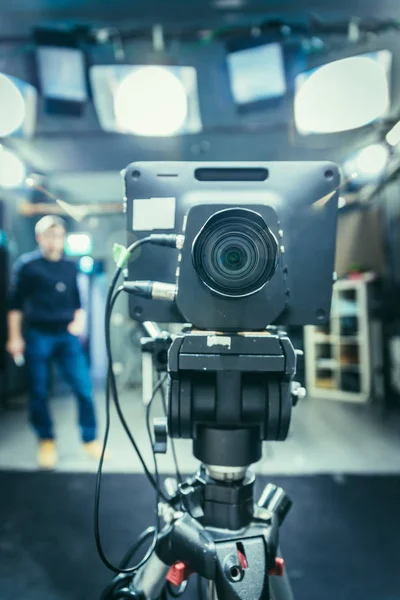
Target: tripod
point(240, 561)
point(227, 393)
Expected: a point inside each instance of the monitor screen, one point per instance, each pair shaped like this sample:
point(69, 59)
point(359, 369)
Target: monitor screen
point(78, 244)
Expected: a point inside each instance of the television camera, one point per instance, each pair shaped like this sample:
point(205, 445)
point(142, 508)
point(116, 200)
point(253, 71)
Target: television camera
point(252, 250)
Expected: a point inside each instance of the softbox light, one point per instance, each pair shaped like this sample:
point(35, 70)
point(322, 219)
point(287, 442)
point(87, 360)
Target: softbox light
point(146, 100)
point(18, 105)
point(343, 95)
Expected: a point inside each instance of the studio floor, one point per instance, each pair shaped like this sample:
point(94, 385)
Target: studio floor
point(340, 465)
point(325, 437)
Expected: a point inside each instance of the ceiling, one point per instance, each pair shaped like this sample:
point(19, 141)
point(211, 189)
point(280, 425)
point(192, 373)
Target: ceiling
point(84, 162)
point(19, 16)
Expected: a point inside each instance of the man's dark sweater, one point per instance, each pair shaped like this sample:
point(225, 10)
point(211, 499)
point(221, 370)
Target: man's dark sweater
point(45, 291)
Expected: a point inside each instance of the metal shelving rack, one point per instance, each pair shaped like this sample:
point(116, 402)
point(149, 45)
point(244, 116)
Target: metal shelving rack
point(338, 357)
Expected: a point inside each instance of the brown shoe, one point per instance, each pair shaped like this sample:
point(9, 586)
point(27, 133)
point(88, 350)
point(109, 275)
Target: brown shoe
point(47, 454)
point(94, 449)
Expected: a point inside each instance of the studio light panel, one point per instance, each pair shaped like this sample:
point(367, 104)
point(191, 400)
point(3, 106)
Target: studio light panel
point(257, 73)
point(146, 100)
point(18, 107)
point(62, 73)
point(343, 95)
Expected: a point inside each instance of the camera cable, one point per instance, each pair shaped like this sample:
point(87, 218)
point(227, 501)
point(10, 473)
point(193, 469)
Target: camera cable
point(111, 389)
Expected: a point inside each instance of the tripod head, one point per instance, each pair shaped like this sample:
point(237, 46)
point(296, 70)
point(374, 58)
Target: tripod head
point(229, 393)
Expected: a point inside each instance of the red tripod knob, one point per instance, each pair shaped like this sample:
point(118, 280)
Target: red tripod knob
point(178, 573)
point(279, 568)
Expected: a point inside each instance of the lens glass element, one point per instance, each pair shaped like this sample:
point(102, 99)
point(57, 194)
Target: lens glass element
point(235, 253)
point(233, 258)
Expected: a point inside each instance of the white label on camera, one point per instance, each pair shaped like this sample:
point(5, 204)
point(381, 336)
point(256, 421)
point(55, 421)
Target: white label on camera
point(219, 340)
point(153, 213)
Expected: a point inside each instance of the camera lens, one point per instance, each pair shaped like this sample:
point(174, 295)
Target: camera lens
point(233, 258)
point(235, 253)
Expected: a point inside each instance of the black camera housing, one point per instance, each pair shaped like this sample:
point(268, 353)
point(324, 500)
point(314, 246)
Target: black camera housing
point(206, 308)
point(297, 200)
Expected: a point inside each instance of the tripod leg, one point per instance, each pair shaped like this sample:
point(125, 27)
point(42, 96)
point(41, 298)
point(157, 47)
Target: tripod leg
point(280, 586)
point(149, 581)
point(212, 591)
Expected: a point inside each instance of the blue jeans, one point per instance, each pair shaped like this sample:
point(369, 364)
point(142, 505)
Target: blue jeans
point(66, 349)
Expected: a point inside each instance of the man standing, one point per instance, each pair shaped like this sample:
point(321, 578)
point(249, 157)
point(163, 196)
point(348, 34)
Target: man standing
point(44, 294)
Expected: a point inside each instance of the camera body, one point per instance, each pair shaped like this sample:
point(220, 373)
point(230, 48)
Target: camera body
point(237, 271)
point(231, 271)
